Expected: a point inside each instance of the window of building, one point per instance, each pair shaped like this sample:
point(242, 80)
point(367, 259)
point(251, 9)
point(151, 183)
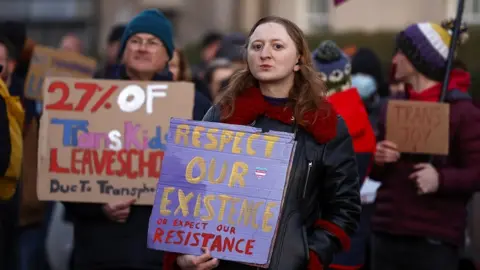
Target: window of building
point(472, 11)
point(45, 9)
point(48, 20)
point(318, 13)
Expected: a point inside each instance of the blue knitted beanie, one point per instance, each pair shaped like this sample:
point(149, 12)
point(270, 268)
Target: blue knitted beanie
point(333, 65)
point(150, 21)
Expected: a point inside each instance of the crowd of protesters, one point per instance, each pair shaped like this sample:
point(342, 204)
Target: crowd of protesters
point(269, 78)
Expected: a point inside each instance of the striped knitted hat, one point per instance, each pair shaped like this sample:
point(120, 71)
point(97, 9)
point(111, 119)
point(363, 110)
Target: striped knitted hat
point(334, 66)
point(426, 45)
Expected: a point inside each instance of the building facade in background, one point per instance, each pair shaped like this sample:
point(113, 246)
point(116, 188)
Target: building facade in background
point(48, 20)
point(192, 18)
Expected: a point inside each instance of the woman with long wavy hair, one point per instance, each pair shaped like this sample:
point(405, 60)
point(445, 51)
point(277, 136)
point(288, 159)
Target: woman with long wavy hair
point(280, 90)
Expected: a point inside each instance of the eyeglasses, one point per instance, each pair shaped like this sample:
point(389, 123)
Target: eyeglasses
point(151, 45)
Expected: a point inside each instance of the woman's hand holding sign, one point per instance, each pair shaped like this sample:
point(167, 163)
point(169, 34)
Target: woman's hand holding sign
point(118, 211)
point(202, 262)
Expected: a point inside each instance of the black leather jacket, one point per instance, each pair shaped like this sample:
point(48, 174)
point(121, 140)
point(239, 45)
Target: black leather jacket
point(325, 186)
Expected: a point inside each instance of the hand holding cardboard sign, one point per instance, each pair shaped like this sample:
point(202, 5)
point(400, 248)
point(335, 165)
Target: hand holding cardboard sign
point(387, 152)
point(202, 262)
point(118, 211)
point(427, 178)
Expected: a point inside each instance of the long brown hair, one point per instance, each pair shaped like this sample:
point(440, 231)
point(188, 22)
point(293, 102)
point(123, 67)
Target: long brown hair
point(308, 92)
point(184, 71)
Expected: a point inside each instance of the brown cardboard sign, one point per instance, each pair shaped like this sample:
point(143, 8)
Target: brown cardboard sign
point(103, 140)
point(419, 127)
point(51, 62)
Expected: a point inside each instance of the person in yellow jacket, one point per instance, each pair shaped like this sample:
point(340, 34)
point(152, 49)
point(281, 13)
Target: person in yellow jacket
point(11, 126)
point(11, 143)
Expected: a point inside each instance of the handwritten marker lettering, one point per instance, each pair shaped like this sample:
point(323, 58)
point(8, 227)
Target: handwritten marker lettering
point(209, 193)
point(418, 127)
point(88, 91)
point(114, 137)
point(155, 91)
point(102, 140)
point(133, 97)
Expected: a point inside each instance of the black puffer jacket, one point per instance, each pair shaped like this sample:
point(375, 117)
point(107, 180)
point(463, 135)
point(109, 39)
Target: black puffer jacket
point(322, 206)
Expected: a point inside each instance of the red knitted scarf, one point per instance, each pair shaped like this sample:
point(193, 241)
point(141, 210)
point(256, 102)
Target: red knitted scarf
point(321, 124)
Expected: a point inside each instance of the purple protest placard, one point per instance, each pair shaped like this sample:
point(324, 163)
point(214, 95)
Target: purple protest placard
point(221, 187)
